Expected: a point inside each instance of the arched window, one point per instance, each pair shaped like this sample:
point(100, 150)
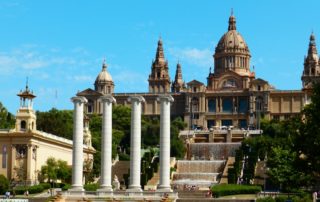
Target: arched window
point(90, 106)
point(229, 83)
point(259, 102)
point(195, 104)
point(23, 125)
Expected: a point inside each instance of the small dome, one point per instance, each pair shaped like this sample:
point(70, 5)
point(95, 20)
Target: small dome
point(232, 39)
point(104, 75)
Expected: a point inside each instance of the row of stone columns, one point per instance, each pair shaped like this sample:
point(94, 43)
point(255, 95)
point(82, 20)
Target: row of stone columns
point(135, 143)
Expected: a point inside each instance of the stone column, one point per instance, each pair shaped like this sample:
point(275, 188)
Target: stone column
point(106, 143)
point(77, 150)
point(165, 102)
point(135, 143)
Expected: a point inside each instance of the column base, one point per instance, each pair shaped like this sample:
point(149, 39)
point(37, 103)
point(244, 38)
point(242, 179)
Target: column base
point(162, 188)
point(105, 188)
point(76, 190)
point(134, 189)
point(105, 191)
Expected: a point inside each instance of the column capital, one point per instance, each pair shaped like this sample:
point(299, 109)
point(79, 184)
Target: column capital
point(165, 97)
point(79, 99)
point(136, 98)
point(107, 98)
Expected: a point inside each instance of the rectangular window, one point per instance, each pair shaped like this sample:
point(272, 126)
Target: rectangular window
point(195, 116)
point(4, 156)
point(276, 117)
point(227, 105)
point(210, 123)
point(226, 122)
point(243, 123)
point(243, 105)
point(212, 105)
point(287, 116)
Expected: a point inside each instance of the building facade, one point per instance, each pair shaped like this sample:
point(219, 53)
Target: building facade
point(24, 149)
point(232, 96)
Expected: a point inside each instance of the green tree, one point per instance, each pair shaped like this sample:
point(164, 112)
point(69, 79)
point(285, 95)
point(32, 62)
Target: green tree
point(282, 169)
point(177, 146)
point(57, 122)
point(4, 184)
point(64, 171)
point(49, 170)
point(7, 120)
point(56, 169)
point(307, 140)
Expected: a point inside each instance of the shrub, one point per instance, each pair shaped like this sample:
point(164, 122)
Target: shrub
point(4, 184)
point(31, 189)
point(232, 189)
point(45, 185)
point(66, 187)
point(124, 157)
point(267, 199)
point(91, 187)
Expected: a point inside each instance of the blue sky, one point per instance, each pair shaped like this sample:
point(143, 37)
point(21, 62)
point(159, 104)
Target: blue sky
point(60, 44)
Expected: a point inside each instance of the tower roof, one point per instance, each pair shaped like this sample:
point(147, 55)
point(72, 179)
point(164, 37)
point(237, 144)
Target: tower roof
point(160, 53)
point(312, 50)
point(26, 93)
point(104, 75)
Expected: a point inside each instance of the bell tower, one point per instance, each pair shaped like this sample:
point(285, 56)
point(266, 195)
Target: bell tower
point(26, 117)
point(159, 80)
point(178, 85)
point(311, 71)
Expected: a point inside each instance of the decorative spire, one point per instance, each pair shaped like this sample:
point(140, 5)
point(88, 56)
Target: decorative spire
point(27, 86)
point(232, 22)
point(312, 51)
point(104, 65)
point(178, 83)
point(160, 54)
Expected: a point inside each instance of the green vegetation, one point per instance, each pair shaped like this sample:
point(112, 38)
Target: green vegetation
point(148, 168)
point(7, 120)
point(91, 187)
point(293, 198)
point(4, 184)
point(58, 122)
point(290, 148)
point(55, 169)
point(233, 189)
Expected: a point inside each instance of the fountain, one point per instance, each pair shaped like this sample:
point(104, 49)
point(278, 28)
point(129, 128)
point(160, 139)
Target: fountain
point(204, 166)
point(199, 173)
point(206, 151)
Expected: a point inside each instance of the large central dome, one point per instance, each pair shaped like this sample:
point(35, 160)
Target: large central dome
point(232, 52)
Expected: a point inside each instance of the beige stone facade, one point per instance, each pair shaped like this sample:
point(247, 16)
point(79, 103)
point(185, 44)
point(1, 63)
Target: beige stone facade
point(233, 96)
point(24, 149)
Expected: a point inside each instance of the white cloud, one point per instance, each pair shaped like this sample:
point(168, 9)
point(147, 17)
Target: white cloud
point(129, 77)
point(31, 57)
point(195, 56)
point(34, 64)
point(82, 78)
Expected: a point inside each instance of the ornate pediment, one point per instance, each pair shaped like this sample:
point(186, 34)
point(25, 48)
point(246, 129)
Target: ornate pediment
point(89, 92)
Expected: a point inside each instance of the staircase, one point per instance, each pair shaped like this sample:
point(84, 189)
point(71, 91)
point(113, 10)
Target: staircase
point(229, 164)
point(153, 182)
point(120, 168)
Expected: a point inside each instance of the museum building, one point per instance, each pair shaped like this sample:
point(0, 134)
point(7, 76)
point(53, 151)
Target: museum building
point(232, 96)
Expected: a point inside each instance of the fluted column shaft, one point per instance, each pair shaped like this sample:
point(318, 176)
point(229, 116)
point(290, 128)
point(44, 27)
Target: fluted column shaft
point(106, 143)
point(135, 143)
point(165, 102)
point(77, 152)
